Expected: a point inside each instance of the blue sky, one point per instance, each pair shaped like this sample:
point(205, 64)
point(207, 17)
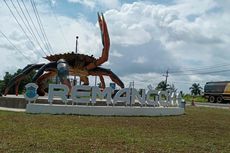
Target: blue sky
point(147, 38)
point(74, 10)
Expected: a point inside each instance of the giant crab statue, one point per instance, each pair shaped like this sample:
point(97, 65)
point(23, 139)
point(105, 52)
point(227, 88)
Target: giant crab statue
point(74, 64)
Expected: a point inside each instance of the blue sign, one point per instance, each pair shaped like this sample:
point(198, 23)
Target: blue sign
point(31, 92)
point(112, 85)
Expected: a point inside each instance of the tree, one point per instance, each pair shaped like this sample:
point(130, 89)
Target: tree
point(172, 88)
point(8, 77)
point(5, 81)
point(162, 86)
point(195, 89)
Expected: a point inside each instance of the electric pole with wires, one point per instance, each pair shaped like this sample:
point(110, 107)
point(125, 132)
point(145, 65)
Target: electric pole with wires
point(166, 76)
point(76, 49)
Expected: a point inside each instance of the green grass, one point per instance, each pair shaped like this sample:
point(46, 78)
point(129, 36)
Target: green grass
point(199, 130)
point(189, 98)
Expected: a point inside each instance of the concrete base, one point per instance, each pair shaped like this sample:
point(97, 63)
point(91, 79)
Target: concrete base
point(13, 102)
point(103, 110)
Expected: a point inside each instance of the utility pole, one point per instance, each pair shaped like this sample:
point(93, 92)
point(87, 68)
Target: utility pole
point(131, 84)
point(166, 76)
point(75, 80)
point(76, 44)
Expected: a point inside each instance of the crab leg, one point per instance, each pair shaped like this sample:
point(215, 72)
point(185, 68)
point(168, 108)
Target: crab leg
point(85, 79)
point(62, 69)
point(16, 87)
point(45, 67)
point(102, 81)
point(17, 83)
point(102, 71)
point(16, 80)
point(105, 42)
point(42, 80)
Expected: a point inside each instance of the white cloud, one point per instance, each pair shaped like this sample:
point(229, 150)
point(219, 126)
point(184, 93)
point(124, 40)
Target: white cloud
point(115, 53)
point(140, 60)
point(107, 4)
point(195, 7)
point(88, 3)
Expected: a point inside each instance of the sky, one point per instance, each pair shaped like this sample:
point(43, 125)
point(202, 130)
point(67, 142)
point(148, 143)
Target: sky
point(190, 39)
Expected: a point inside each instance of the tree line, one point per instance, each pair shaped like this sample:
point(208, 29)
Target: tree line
point(8, 76)
point(195, 89)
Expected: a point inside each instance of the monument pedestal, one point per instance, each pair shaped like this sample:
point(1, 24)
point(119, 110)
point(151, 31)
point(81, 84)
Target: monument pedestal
point(103, 110)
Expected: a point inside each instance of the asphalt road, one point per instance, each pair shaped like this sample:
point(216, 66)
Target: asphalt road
point(212, 105)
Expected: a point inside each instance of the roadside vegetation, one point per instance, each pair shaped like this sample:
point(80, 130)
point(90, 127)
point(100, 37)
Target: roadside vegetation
point(199, 130)
point(189, 98)
point(196, 89)
point(196, 94)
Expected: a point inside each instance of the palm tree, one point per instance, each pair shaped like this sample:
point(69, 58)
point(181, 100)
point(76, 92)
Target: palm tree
point(162, 86)
point(172, 88)
point(195, 89)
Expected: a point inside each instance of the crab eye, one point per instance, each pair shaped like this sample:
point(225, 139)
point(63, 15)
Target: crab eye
point(61, 61)
point(62, 68)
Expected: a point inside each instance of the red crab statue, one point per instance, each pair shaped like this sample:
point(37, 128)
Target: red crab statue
point(73, 64)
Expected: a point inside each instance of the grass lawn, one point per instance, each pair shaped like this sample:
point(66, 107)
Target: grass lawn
point(199, 130)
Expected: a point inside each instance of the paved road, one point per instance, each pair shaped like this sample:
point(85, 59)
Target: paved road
point(212, 105)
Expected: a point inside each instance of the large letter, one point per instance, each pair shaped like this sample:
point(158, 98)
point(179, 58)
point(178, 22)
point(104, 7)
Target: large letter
point(163, 98)
point(81, 91)
point(152, 100)
point(172, 98)
point(59, 90)
point(106, 93)
point(119, 97)
point(178, 99)
point(135, 94)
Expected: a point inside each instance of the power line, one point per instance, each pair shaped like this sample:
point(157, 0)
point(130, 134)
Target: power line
point(15, 47)
point(59, 25)
point(28, 28)
point(186, 82)
point(40, 37)
point(30, 24)
point(20, 25)
point(209, 72)
point(198, 69)
point(40, 24)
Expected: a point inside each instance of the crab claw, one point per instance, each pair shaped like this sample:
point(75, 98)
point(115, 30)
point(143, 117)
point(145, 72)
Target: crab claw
point(104, 31)
point(17, 79)
point(105, 41)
